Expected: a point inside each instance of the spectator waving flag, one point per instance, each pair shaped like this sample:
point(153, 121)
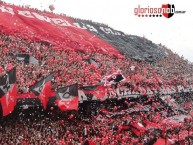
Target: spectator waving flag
point(67, 97)
point(114, 78)
point(42, 89)
point(8, 91)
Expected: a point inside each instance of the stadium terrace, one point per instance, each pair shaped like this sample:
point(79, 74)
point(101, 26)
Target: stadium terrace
point(60, 85)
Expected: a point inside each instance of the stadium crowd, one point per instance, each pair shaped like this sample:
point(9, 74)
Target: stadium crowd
point(108, 122)
point(102, 123)
point(86, 68)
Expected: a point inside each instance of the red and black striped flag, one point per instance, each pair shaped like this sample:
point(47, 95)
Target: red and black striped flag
point(8, 91)
point(42, 89)
point(67, 97)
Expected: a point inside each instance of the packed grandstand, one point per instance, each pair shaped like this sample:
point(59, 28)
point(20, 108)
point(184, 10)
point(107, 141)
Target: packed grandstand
point(68, 81)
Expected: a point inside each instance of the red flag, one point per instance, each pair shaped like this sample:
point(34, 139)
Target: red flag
point(45, 94)
point(8, 91)
point(42, 89)
point(8, 101)
point(67, 97)
point(68, 104)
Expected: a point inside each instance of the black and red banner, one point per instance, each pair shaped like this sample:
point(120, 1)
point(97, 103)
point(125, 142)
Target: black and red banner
point(42, 89)
point(8, 91)
point(67, 97)
point(98, 91)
